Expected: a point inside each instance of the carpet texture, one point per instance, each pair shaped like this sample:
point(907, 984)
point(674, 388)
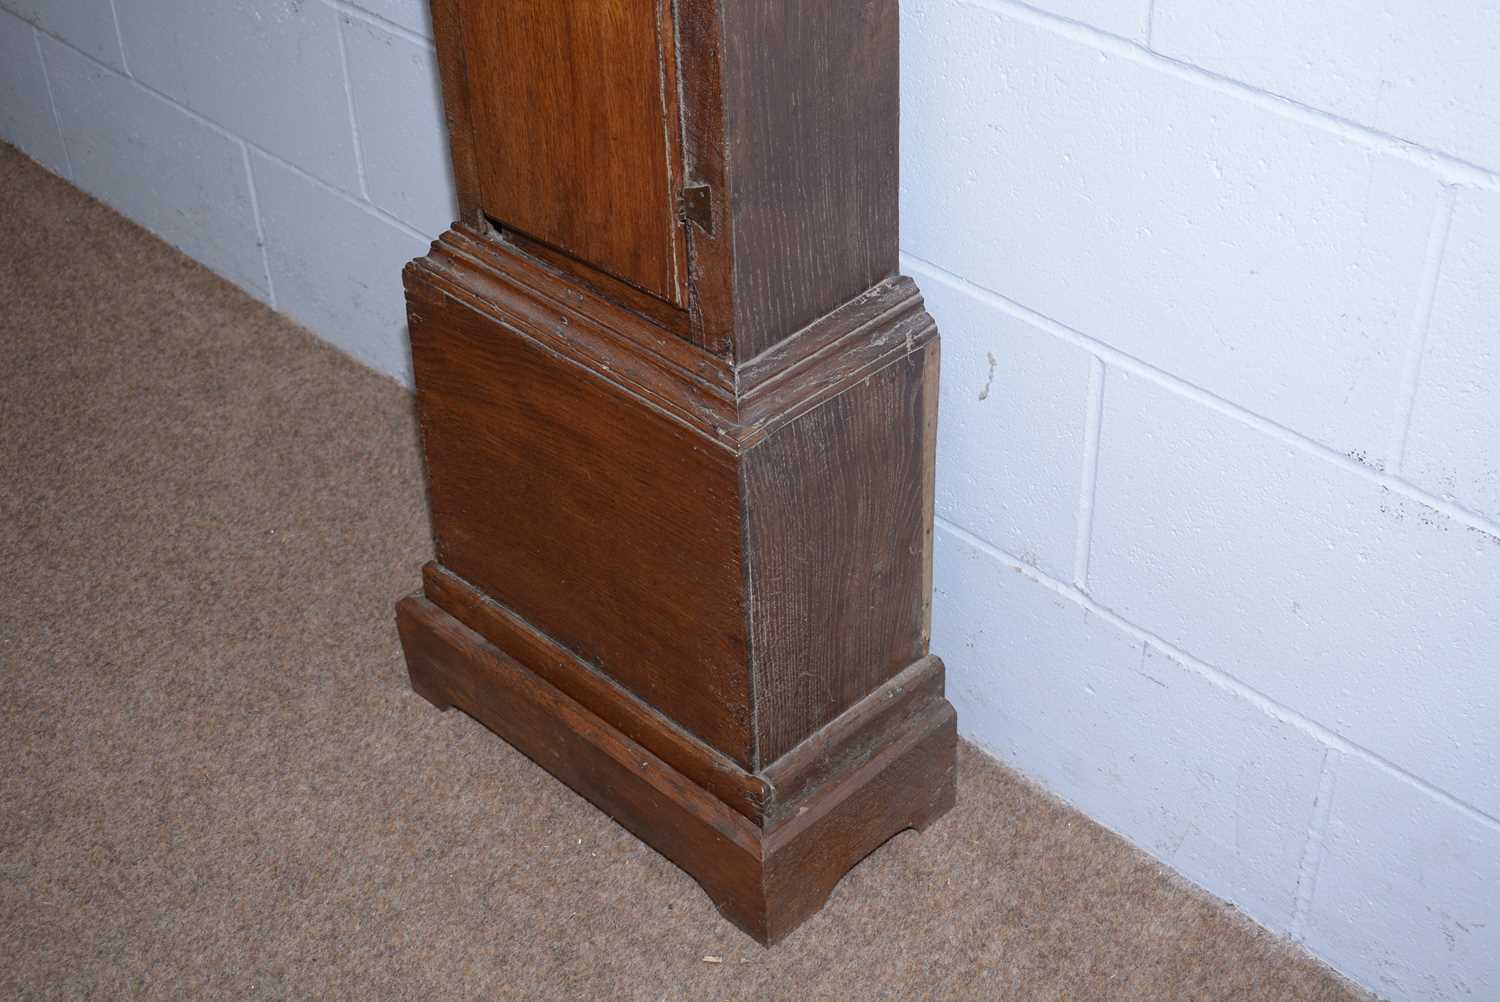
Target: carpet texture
point(216, 783)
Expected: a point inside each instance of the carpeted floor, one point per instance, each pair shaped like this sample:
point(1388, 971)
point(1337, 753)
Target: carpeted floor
point(216, 783)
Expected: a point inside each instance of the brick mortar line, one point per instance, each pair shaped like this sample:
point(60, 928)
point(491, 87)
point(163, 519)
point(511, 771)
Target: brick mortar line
point(1312, 851)
point(260, 229)
point(62, 138)
point(1088, 485)
point(114, 14)
point(1411, 375)
point(368, 17)
point(359, 149)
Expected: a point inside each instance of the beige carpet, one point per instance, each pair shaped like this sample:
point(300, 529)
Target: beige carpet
point(216, 784)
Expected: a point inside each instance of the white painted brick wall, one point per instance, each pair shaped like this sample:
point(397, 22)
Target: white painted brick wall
point(327, 259)
point(1219, 492)
point(1422, 70)
point(1274, 661)
point(402, 137)
point(1193, 771)
point(1405, 889)
point(1272, 263)
point(270, 72)
point(1304, 580)
point(170, 171)
point(1014, 405)
point(87, 25)
point(294, 146)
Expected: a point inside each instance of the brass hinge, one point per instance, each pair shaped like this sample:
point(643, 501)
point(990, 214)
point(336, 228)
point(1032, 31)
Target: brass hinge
point(696, 205)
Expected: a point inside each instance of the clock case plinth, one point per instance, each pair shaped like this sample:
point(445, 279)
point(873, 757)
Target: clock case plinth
point(683, 521)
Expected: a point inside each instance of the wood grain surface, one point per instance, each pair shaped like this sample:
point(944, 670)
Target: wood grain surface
point(813, 112)
point(746, 792)
point(766, 880)
point(834, 508)
point(574, 106)
point(680, 450)
point(603, 522)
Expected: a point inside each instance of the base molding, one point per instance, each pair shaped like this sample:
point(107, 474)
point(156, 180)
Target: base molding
point(883, 767)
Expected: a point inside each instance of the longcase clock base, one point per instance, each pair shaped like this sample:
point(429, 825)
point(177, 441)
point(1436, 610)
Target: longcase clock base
point(694, 588)
point(678, 411)
point(768, 847)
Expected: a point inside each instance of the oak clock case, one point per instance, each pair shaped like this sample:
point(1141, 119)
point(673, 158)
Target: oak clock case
point(678, 412)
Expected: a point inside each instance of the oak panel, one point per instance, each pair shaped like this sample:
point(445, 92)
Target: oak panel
point(599, 520)
point(837, 527)
point(573, 107)
point(813, 111)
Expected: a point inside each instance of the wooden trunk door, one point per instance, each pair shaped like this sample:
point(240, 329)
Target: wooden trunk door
point(574, 106)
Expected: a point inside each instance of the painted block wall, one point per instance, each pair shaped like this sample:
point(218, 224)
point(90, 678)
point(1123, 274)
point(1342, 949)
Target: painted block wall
point(1219, 281)
point(1219, 458)
point(296, 147)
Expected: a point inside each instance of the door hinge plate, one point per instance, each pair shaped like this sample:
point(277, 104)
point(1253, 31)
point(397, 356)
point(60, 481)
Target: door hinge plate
point(696, 205)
